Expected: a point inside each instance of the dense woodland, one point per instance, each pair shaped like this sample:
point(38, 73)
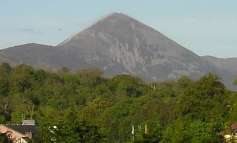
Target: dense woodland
point(87, 107)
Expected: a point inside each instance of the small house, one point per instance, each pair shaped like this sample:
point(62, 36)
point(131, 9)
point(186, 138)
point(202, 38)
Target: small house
point(19, 133)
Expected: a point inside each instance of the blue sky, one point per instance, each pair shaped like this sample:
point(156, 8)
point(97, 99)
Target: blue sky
point(207, 27)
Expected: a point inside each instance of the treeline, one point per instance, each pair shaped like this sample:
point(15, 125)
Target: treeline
point(86, 107)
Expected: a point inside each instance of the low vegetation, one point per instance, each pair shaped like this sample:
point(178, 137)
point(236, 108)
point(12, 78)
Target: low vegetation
point(87, 107)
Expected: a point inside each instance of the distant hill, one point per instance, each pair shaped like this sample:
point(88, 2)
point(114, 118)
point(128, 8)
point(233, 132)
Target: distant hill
point(120, 44)
point(227, 69)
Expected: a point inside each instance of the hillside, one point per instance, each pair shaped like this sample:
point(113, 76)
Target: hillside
point(120, 44)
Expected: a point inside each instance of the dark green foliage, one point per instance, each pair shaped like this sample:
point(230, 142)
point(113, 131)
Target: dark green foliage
point(128, 85)
point(87, 107)
point(68, 131)
point(5, 71)
point(4, 139)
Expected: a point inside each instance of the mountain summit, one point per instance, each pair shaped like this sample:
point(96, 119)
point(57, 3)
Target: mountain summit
point(119, 44)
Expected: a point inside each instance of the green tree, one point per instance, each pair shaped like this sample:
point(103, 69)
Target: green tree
point(21, 78)
point(5, 71)
point(71, 132)
point(182, 110)
point(128, 85)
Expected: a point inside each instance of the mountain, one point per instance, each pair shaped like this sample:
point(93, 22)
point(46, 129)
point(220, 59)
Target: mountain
point(227, 69)
point(120, 44)
point(32, 54)
point(229, 64)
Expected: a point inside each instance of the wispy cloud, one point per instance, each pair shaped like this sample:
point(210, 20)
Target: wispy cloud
point(30, 31)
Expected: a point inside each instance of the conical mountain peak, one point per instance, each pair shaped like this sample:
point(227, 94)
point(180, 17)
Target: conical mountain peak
point(117, 14)
point(118, 19)
point(119, 44)
point(113, 22)
point(117, 25)
point(120, 16)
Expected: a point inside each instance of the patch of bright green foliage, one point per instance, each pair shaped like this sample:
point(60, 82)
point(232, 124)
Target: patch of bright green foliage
point(86, 107)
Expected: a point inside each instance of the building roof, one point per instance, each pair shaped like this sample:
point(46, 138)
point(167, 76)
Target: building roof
point(234, 126)
point(28, 122)
point(23, 128)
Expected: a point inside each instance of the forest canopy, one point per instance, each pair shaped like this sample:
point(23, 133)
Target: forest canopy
point(88, 107)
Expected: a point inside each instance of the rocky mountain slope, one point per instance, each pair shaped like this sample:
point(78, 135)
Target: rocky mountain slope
point(120, 44)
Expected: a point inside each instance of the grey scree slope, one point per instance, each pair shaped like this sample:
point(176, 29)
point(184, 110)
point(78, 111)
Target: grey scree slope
point(119, 44)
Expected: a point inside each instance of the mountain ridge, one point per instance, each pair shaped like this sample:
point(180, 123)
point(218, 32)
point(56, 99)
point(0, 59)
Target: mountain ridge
point(120, 44)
